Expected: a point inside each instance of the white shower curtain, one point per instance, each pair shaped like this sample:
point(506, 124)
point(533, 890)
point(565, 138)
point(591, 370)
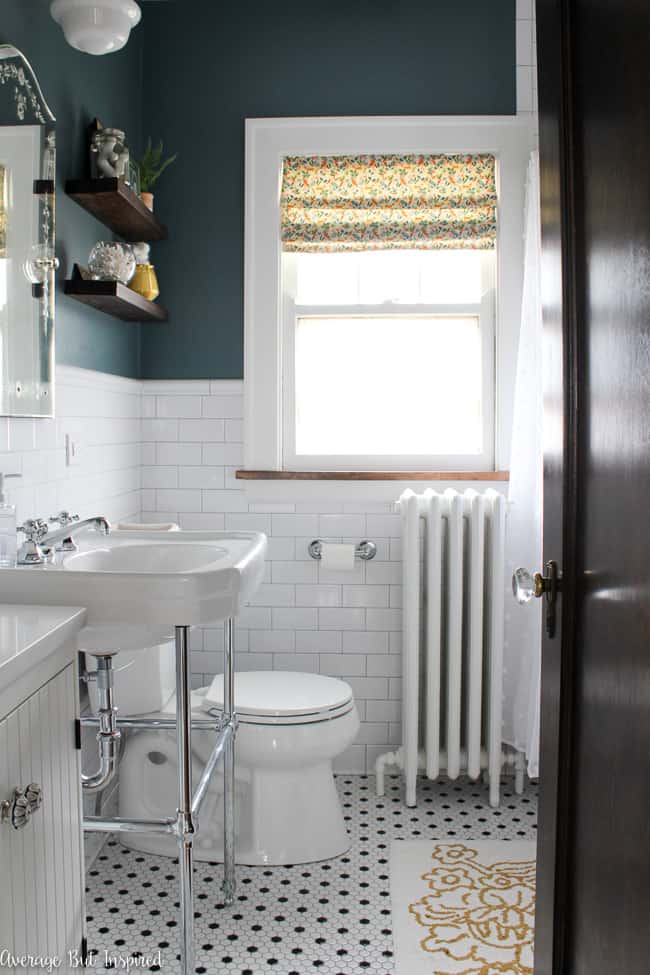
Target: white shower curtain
point(522, 650)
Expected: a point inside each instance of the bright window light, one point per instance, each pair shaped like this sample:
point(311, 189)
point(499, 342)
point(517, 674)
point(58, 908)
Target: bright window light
point(388, 385)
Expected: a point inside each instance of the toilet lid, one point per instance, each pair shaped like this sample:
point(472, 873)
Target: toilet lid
point(281, 694)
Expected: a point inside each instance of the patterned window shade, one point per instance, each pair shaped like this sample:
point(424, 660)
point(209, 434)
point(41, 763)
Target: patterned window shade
point(354, 203)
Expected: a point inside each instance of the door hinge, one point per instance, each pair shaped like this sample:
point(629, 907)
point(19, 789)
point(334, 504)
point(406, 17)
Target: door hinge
point(77, 734)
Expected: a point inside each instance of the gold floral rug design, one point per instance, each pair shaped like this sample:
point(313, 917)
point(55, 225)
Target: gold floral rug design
point(463, 908)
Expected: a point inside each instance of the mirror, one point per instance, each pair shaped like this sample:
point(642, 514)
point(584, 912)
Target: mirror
point(27, 258)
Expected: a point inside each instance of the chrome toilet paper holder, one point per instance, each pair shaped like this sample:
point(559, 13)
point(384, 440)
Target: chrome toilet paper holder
point(365, 550)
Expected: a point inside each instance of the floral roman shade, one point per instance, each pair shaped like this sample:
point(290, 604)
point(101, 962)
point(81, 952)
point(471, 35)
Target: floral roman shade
point(343, 203)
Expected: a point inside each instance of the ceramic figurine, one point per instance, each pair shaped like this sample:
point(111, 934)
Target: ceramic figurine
point(109, 154)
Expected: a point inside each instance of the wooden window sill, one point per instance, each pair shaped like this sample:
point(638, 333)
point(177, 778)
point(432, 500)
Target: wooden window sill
point(245, 475)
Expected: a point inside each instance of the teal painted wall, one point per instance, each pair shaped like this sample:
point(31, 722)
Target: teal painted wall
point(209, 65)
point(79, 87)
point(194, 71)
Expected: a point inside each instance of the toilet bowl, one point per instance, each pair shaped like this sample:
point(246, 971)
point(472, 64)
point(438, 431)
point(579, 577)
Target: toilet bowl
point(291, 728)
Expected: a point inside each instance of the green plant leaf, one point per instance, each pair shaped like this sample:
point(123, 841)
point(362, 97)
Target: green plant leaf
point(152, 165)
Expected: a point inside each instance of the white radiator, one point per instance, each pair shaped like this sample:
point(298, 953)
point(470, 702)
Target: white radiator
point(452, 651)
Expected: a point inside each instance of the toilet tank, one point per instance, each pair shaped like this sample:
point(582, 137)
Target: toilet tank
point(144, 679)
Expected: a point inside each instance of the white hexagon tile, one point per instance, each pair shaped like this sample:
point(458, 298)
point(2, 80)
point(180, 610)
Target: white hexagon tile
point(330, 918)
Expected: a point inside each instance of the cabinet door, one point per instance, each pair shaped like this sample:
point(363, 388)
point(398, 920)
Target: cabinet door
point(41, 906)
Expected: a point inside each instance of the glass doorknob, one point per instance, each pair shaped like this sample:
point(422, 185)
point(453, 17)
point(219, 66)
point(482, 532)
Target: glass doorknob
point(525, 585)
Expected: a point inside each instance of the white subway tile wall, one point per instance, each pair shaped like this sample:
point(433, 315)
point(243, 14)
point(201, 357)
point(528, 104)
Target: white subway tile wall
point(526, 57)
point(103, 416)
point(303, 617)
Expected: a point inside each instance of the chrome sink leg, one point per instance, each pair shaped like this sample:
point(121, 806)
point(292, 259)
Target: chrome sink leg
point(228, 769)
point(184, 823)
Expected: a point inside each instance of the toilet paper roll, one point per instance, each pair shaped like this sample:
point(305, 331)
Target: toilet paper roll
point(339, 557)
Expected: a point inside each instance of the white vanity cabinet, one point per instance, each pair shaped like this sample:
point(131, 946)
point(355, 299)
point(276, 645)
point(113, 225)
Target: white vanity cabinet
point(41, 851)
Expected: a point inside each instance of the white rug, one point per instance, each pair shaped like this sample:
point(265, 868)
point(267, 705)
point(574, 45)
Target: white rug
point(463, 908)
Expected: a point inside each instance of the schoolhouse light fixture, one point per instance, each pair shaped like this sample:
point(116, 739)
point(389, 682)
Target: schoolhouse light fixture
point(96, 26)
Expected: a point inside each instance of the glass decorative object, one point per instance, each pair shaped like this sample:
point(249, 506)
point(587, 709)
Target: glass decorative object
point(39, 263)
point(111, 261)
point(145, 282)
point(134, 176)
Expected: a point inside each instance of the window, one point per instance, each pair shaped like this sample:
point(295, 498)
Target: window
point(379, 357)
point(388, 360)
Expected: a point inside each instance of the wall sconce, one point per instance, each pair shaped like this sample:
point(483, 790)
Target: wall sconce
point(96, 26)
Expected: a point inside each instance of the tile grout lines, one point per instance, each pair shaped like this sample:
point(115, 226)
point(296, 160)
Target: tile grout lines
point(332, 917)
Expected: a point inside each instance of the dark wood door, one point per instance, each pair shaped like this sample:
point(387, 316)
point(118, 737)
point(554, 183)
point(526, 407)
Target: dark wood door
point(593, 914)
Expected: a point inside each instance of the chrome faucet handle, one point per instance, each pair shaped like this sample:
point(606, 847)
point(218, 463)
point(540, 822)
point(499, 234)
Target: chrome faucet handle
point(30, 552)
point(34, 529)
point(64, 518)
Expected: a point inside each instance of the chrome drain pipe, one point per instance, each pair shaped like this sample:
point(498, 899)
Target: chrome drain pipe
point(108, 736)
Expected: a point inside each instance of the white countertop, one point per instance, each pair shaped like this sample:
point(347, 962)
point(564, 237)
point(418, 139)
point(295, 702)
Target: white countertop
point(29, 635)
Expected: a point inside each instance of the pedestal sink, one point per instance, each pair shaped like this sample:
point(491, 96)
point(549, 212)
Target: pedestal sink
point(181, 578)
point(135, 585)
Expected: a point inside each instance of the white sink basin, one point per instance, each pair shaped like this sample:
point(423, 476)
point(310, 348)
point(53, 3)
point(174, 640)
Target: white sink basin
point(158, 557)
point(180, 579)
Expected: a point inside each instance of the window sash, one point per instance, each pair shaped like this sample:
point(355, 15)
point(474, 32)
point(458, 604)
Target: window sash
point(483, 461)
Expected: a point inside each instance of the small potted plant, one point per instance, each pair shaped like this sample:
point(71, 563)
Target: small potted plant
point(152, 166)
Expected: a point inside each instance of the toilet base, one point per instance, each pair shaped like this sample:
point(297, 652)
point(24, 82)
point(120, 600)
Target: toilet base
point(299, 822)
point(286, 811)
point(270, 821)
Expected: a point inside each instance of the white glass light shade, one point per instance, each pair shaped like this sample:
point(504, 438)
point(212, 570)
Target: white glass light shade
point(96, 26)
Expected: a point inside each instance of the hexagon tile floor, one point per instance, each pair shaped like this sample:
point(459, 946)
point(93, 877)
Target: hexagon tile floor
point(331, 918)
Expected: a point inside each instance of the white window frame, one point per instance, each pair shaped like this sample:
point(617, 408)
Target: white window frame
point(483, 461)
point(267, 337)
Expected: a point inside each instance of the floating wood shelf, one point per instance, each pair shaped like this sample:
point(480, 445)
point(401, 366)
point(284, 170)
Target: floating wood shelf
point(115, 205)
point(115, 299)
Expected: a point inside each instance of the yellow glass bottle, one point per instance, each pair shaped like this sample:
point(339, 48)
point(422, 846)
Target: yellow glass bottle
point(144, 282)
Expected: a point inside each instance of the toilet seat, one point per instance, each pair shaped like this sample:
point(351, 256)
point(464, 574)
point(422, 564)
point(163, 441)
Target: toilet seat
point(283, 698)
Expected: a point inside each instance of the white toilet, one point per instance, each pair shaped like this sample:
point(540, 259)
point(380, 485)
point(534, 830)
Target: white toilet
point(291, 727)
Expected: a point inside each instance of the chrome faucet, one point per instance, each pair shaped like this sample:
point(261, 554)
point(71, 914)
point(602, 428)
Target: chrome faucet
point(40, 543)
point(30, 552)
point(69, 528)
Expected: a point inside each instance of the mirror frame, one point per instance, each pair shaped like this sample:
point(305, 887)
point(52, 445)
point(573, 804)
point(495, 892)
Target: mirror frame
point(32, 109)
